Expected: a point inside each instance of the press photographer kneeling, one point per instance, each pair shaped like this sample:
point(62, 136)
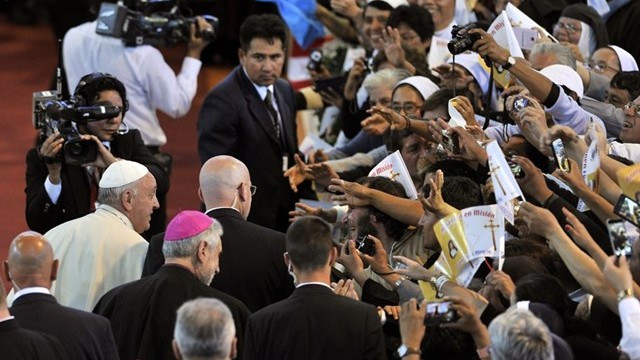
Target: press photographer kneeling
point(62, 180)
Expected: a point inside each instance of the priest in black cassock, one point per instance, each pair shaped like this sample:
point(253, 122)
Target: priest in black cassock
point(143, 312)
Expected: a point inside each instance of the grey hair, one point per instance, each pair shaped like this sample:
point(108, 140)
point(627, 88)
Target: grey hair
point(386, 77)
point(563, 54)
point(111, 196)
point(518, 334)
point(204, 329)
point(188, 246)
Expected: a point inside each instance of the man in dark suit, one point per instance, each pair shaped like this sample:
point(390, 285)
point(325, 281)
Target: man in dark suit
point(251, 115)
point(17, 343)
point(58, 192)
point(31, 269)
point(143, 312)
point(251, 266)
point(314, 322)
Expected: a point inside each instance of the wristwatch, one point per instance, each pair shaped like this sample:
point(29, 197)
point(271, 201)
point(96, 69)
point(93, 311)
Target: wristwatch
point(404, 350)
point(510, 62)
point(625, 294)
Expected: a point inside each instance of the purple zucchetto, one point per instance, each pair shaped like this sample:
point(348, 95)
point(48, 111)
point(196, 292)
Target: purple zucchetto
point(186, 224)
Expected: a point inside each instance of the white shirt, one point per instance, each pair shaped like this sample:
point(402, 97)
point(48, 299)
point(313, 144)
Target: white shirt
point(629, 309)
point(446, 32)
point(630, 151)
point(567, 112)
point(314, 283)
point(262, 92)
point(31, 290)
point(151, 84)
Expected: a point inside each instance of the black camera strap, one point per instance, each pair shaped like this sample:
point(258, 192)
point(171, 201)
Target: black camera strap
point(487, 109)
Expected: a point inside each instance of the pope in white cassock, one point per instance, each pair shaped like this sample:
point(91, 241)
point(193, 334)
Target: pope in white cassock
point(104, 249)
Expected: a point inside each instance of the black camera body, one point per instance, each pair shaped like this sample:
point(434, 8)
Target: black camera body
point(461, 39)
point(145, 26)
point(315, 60)
point(54, 116)
point(365, 245)
point(440, 312)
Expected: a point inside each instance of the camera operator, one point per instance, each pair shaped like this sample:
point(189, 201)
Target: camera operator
point(149, 80)
point(57, 191)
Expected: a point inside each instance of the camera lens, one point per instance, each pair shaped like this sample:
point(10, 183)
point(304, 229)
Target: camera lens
point(459, 45)
point(75, 148)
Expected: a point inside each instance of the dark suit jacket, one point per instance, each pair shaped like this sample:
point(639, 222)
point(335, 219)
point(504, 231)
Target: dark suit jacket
point(252, 268)
point(82, 334)
point(234, 121)
point(17, 343)
point(315, 323)
point(43, 215)
point(143, 312)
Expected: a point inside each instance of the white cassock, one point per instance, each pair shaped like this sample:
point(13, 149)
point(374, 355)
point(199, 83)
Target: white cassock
point(97, 252)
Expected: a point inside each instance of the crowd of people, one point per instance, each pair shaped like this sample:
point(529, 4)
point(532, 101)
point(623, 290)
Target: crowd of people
point(537, 137)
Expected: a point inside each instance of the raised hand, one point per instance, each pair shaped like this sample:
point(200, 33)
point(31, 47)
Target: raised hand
point(353, 194)
point(297, 174)
point(375, 125)
point(345, 288)
point(395, 120)
point(412, 269)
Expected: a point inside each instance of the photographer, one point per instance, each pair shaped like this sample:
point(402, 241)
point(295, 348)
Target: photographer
point(150, 81)
point(57, 191)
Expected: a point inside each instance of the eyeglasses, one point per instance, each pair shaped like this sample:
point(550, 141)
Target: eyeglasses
point(253, 189)
point(600, 67)
point(408, 107)
point(636, 108)
point(569, 27)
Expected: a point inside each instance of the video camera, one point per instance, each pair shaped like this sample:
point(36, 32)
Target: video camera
point(150, 22)
point(52, 115)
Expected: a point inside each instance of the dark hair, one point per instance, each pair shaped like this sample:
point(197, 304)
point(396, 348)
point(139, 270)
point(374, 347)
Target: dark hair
point(627, 80)
point(393, 139)
point(442, 96)
point(265, 26)
point(544, 289)
point(459, 191)
point(451, 167)
point(532, 153)
point(393, 228)
point(415, 17)
point(532, 246)
point(378, 4)
point(91, 85)
point(308, 242)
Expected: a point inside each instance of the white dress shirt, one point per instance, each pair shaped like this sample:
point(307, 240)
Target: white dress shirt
point(151, 84)
point(629, 309)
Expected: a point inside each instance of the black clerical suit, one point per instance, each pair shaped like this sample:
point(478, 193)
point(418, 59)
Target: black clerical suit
point(234, 121)
point(83, 335)
point(75, 197)
point(143, 312)
point(315, 323)
point(252, 267)
point(17, 343)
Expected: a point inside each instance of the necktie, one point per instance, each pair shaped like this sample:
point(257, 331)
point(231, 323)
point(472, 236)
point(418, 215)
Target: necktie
point(273, 114)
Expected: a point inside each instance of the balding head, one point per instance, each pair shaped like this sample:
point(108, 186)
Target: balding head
point(225, 182)
point(30, 262)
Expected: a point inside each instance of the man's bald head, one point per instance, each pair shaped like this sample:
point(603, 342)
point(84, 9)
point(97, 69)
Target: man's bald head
point(30, 262)
point(224, 182)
